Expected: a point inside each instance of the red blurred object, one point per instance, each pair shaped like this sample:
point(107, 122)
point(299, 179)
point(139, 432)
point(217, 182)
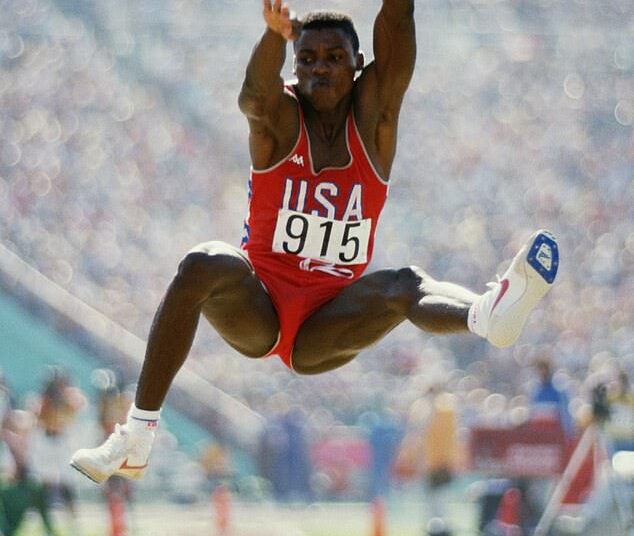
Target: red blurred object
point(538, 449)
point(508, 514)
point(583, 480)
point(116, 507)
point(221, 499)
point(378, 517)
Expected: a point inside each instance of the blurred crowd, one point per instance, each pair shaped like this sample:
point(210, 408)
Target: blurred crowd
point(429, 451)
point(121, 146)
point(35, 438)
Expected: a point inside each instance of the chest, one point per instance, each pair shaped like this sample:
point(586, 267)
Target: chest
point(328, 147)
point(324, 155)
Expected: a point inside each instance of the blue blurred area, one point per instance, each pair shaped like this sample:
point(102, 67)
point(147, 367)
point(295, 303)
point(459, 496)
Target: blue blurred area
point(30, 348)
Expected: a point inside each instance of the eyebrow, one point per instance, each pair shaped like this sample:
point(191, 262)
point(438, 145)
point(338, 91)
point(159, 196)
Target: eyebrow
point(330, 49)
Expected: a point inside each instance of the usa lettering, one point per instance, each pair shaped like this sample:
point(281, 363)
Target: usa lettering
point(323, 199)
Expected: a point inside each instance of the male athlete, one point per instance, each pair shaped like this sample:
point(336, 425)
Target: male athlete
point(321, 154)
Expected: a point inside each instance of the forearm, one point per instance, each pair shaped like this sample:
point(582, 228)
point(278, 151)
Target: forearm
point(397, 11)
point(395, 44)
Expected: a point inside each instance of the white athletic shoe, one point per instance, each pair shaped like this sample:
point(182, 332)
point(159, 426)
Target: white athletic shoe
point(500, 313)
point(123, 454)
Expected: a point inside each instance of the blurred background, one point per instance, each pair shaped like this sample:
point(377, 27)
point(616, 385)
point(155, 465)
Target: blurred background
point(122, 146)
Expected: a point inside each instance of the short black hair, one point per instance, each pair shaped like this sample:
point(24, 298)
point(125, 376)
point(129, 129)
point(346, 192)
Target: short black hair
point(317, 20)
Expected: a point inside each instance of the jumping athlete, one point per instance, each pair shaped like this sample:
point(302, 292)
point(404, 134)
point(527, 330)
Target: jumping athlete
point(321, 152)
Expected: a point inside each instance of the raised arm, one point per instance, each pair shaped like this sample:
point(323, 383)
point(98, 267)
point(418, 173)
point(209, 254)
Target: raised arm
point(394, 50)
point(383, 83)
point(262, 98)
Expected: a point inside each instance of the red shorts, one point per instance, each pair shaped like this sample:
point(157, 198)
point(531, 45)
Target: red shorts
point(296, 295)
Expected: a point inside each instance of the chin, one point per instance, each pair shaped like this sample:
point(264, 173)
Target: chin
point(322, 102)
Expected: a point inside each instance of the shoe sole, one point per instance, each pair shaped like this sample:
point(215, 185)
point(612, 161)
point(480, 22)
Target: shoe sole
point(99, 478)
point(96, 478)
point(543, 256)
point(539, 269)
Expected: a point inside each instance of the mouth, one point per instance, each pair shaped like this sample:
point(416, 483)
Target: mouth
point(321, 83)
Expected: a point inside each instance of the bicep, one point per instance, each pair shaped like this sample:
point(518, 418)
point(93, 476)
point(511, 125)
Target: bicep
point(270, 130)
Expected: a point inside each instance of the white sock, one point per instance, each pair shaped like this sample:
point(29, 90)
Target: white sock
point(478, 320)
point(142, 419)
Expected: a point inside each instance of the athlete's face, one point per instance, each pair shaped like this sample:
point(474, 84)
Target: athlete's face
point(325, 64)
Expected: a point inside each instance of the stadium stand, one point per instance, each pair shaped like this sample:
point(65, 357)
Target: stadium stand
point(121, 146)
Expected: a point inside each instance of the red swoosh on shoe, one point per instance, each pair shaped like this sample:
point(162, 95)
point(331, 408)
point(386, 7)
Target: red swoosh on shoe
point(504, 286)
point(125, 465)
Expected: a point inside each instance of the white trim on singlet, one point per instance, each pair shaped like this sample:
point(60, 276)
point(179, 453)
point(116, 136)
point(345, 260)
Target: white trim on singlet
point(365, 152)
point(289, 90)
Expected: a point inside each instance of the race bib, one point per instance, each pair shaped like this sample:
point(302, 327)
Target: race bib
point(326, 239)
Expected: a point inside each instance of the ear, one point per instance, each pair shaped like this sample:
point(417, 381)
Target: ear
point(360, 61)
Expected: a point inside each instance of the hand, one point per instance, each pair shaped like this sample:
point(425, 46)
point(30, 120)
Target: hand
point(278, 19)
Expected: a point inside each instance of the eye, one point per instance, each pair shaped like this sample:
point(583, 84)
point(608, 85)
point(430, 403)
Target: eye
point(305, 60)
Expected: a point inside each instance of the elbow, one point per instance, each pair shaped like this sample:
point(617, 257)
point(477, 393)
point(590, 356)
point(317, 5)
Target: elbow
point(250, 104)
point(257, 100)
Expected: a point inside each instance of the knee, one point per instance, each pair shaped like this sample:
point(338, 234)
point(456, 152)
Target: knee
point(205, 267)
point(407, 282)
point(403, 287)
point(194, 267)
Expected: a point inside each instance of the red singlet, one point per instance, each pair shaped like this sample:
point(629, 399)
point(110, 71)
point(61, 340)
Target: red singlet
point(309, 235)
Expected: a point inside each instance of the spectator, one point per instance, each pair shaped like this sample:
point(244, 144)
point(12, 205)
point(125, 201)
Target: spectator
point(440, 451)
point(430, 448)
point(620, 425)
point(384, 437)
point(19, 490)
point(216, 461)
point(284, 452)
point(549, 403)
point(60, 403)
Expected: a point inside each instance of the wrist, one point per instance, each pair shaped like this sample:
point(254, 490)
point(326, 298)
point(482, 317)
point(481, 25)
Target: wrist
point(274, 34)
point(289, 31)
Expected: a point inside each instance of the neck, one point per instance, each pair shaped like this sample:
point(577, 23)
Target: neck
point(327, 124)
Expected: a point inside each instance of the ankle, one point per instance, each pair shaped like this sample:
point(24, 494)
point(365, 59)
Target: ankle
point(142, 421)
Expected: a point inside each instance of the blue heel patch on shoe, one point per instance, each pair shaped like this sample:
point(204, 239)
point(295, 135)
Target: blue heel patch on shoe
point(544, 256)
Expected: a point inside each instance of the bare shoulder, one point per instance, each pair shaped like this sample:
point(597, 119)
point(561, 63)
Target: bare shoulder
point(273, 134)
point(377, 123)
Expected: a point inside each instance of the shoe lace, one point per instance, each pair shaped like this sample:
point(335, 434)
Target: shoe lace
point(488, 298)
point(116, 443)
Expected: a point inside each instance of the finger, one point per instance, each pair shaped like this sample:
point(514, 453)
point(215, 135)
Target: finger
point(266, 4)
point(285, 11)
point(277, 6)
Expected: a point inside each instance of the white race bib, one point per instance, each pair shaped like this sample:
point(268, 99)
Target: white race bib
point(326, 239)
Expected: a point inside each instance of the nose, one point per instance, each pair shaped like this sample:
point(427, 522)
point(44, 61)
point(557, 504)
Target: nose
point(321, 67)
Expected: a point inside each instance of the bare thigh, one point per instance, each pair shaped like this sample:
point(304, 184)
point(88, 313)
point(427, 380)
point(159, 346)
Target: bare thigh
point(370, 308)
point(356, 318)
point(237, 305)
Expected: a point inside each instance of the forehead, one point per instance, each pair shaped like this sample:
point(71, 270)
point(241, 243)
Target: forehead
point(328, 38)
